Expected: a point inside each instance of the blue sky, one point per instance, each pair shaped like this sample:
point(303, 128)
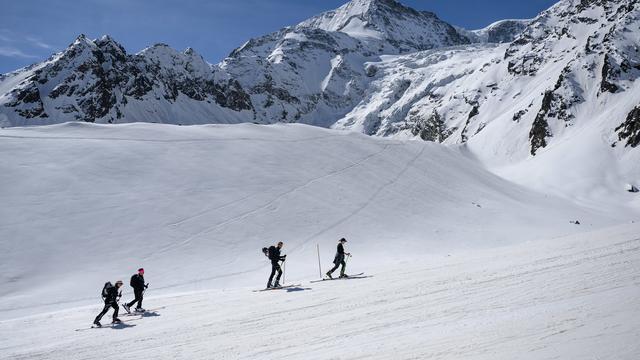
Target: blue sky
point(31, 30)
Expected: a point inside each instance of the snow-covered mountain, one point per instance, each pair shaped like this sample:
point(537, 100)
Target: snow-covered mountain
point(394, 28)
point(508, 92)
point(313, 72)
point(563, 95)
point(503, 31)
point(96, 80)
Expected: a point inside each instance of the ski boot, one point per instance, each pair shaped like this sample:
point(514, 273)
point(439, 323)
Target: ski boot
point(116, 321)
point(140, 310)
point(343, 276)
point(97, 323)
point(126, 308)
point(329, 275)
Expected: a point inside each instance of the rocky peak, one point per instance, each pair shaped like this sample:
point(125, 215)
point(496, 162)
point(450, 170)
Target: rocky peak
point(109, 46)
point(400, 28)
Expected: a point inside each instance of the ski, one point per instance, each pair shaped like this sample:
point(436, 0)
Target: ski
point(277, 288)
point(354, 276)
point(134, 313)
point(108, 326)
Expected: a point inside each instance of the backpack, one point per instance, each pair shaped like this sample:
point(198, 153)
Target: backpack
point(105, 289)
point(265, 251)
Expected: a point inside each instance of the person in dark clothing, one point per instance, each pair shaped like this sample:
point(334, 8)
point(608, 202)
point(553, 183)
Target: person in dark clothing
point(138, 285)
point(339, 259)
point(273, 253)
point(111, 295)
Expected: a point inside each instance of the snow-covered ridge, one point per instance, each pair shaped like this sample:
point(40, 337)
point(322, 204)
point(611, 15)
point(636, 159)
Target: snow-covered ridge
point(404, 28)
point(503, 31)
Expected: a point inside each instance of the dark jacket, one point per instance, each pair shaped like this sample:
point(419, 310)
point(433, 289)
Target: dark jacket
point(274, 254)
point(339, 254)
point(112, 295)
point(137, 282)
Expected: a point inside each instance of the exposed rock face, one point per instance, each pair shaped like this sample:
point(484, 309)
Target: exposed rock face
point(98, 81)
point(630, 129)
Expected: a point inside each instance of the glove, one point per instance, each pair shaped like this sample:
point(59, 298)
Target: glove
point(146, 286)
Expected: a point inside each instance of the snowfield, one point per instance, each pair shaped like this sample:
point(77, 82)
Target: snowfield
point(565, 298)
point(463, 263)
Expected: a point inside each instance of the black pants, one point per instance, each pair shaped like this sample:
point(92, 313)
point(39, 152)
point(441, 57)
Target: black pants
point(115, 307)
point(138, 294)
point(344, 265)
point(275, 267)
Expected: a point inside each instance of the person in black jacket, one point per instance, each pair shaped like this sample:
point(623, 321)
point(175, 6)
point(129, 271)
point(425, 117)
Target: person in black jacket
point(273, 253)
point(111, 295)
point(138, 285)
point(339, 259)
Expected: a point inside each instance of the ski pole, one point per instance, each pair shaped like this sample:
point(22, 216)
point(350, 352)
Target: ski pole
point(284, 272)
point(319, 266)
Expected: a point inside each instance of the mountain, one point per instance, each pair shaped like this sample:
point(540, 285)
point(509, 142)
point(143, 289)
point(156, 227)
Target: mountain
point(395, 27)
point(96, 80)
point(507, 92)
point(503, 31)
point(563, 95)
point(312, 72)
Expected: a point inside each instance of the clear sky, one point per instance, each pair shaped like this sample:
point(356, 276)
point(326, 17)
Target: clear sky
point(31, 30)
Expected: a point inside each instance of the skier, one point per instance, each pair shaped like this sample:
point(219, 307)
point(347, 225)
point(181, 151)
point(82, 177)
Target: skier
point(273, 253)
point(339, 259)
point(138, 285)
point(110, 294)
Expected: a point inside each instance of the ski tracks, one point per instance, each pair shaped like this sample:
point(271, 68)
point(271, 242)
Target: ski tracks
point(268, 204)
point(369, 200)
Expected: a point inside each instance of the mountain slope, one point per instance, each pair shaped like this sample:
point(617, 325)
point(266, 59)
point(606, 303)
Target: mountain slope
point(570, 298)
point(194, 206)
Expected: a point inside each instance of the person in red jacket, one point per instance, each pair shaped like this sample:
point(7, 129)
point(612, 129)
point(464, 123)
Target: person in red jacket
point(138, 285)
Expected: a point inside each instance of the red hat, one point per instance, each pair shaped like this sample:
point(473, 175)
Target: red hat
point(141, 269)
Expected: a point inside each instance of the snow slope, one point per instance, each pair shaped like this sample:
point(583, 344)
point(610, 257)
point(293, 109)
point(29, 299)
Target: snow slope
point(563, 298)
point(194, 205)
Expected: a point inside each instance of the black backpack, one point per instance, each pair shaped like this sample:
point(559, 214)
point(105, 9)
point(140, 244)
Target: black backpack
point(265, 251)
point(105, 289)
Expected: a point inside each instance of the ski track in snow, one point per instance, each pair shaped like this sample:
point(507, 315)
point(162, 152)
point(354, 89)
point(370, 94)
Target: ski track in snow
point(268, 204)
point(366, 203)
